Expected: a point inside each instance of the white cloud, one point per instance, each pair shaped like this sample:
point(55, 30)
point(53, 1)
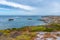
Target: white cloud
point(55, 7)
point(26, 7)
point(52, 7)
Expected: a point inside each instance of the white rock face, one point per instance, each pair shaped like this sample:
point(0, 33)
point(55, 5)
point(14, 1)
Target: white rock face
point(40, 36)
point(58, 38)
point(49, 38)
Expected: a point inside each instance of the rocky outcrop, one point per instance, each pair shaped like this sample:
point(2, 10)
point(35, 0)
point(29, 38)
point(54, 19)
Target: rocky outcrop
point(10, 19)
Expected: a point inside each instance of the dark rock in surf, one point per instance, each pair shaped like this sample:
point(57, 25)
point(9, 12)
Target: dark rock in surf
point(10, 19)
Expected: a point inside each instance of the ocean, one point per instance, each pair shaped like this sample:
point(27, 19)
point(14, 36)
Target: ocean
point(19, 21)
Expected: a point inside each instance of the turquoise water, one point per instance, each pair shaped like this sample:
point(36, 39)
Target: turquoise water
point(19, 21)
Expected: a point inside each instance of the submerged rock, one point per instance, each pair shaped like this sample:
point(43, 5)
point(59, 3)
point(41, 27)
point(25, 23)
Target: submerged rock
point(29, 19)
point(40, 20)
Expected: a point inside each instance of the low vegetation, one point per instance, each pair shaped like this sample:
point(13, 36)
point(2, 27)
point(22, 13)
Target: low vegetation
point(28, 32)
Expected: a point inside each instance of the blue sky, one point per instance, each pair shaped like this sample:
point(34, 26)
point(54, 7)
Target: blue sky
point(29, 7)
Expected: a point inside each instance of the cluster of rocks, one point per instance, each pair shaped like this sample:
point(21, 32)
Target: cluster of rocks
point(51, 19)
point(47, 36)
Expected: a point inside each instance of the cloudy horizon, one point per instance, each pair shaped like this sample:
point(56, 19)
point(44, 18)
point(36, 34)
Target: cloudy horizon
point(29, 7)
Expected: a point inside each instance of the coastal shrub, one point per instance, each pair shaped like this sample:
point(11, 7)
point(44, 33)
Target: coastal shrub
point(49, 29)
point(55, 24)
point(14, 29)
point(38, 28)
point(6, 32)
point(23, 37)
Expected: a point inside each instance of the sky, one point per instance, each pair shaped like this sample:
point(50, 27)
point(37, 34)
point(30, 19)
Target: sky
point(29, 7)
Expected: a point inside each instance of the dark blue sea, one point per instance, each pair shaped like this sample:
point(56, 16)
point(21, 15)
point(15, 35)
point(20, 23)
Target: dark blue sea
point(19, 21)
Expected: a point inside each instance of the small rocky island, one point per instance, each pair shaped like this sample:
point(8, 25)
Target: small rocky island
point(10, 19)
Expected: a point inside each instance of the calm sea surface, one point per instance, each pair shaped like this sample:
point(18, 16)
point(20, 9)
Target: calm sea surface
point(19, 21)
